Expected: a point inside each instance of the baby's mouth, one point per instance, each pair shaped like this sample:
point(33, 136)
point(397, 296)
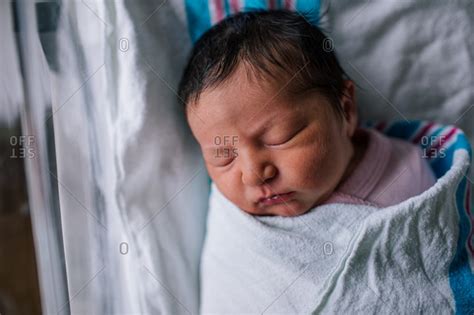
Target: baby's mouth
point(277, 198)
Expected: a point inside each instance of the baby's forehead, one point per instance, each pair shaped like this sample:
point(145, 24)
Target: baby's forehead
point(281, 82)
point(247, 97)
point(246, 116)
point(250, 85)
point(236, 103)
point(240, 99)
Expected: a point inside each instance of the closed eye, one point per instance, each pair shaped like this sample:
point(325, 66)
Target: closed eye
point(225, 162)
point(224, 156)
point(287, 139)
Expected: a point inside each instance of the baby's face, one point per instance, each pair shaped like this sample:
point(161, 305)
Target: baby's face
point(257, 141)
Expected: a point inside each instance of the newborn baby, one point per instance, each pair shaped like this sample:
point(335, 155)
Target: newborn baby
point(275, 116)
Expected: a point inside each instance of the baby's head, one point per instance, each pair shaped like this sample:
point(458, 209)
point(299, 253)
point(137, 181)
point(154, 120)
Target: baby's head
point(272, 110)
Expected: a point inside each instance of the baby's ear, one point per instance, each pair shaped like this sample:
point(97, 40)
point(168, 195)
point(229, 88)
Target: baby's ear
point(348, 104)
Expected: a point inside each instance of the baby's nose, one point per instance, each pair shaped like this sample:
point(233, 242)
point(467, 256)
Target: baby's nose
point(256, 176)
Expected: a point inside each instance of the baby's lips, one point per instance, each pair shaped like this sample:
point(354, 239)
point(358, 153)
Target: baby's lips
point(281, 196)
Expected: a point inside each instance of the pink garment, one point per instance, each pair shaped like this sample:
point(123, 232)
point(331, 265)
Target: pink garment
point(390, 171)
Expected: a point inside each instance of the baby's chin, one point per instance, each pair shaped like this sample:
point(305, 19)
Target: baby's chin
point(291, 208)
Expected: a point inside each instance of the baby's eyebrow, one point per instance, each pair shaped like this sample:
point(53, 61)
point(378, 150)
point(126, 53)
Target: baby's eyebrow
point(288, 119)
point(277, 118)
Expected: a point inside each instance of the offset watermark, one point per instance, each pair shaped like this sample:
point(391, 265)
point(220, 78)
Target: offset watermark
point(328, 248)
point(124, 44)
point(328, 45)
point(123, 248)
point(227, 145)
point(22, 147)
point(432, 147)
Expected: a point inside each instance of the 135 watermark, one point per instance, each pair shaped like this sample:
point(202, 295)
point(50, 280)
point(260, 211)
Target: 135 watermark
point(22, 147)
point(227, 143)
point(432, 147)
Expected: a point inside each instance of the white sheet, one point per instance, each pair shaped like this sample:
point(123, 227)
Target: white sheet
point(414, 59)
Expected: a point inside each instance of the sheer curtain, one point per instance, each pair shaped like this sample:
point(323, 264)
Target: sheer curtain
point(125, 185)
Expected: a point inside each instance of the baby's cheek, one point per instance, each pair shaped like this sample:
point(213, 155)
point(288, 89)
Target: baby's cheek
point(306, 166)
point(318, 169)
point(230, 184)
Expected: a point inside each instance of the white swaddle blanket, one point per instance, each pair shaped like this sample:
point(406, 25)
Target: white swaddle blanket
point(342, 258)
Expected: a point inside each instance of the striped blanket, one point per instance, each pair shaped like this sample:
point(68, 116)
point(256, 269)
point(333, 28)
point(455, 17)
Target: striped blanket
point(202, 14)
point(413, 257)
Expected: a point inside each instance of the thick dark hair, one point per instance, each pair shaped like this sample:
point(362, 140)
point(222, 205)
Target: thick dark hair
point(278, 44)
